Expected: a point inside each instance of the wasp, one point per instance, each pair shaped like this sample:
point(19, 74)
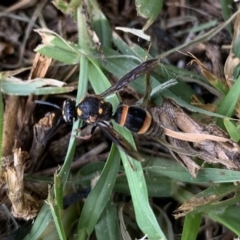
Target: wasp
point(94, 110)
point(157, 122)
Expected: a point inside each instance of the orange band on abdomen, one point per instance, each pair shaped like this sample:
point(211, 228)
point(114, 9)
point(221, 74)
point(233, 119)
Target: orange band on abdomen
point(124, 115)
point(146, 124)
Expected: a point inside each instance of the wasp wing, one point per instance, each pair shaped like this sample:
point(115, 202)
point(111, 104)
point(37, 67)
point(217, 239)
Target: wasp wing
point(131, 76)
point(119, 140)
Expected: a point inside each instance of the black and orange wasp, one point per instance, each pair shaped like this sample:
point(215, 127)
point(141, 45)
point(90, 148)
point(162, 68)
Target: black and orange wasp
point(94, 110)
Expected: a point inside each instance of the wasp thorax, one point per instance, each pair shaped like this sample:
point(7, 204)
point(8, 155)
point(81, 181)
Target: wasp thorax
point(69, 111)
point(92, 108)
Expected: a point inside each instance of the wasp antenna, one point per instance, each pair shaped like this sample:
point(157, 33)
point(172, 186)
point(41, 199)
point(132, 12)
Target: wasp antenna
point(47, 103)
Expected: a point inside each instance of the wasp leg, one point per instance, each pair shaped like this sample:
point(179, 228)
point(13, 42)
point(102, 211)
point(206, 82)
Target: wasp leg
point(86, 137)
point(82, 127)
point(119, 140)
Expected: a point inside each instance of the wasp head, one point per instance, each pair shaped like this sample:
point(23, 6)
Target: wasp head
point(69, 111)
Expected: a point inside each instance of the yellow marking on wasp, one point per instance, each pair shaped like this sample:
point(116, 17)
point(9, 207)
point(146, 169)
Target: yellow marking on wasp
point(79, 112)
point(100, 111)
point(146, 124)
point(124, 115)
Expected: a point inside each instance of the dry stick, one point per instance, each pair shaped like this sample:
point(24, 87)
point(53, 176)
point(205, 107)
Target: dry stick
point(20, 5)
point(10, 119)
point(90, 156)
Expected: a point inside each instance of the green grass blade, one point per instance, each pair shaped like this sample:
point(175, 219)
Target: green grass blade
point(209, 199)
point(144, 215)
point(232, 129)
point(82, 88)
point(227, 12)
point(55, 202)
point(35, 86)
point(40, 224)
point(149, 9)
point(98, 197)
point(173, 170)
point(191, 226)
point(228, 105)
point(198, 28)
point(54, 46)
point(101, 25)
point(229, 217)
point(107, 226)
point(166, 189)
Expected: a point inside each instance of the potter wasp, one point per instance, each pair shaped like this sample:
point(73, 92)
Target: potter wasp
point(167, 120)
point(94, 110)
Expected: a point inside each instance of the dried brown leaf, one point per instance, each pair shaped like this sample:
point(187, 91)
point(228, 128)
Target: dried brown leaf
point(24, 204)
point(193, 137)
point(208, 107)
point(207, 142)
point(190, 205)
point(212, 78)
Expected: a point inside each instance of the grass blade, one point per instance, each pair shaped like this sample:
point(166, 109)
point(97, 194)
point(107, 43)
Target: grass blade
point(98, 197)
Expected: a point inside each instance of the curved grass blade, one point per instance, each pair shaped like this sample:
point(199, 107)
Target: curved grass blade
point(168, 168)
point(228, 104)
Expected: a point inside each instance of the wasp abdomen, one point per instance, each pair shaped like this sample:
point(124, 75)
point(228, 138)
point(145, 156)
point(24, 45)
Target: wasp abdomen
point(134, 118)
point(155, 130)
point(137, 120)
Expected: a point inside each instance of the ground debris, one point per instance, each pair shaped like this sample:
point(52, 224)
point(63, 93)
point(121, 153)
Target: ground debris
point(25, 204)
point(170, 116)
point(42, 131)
